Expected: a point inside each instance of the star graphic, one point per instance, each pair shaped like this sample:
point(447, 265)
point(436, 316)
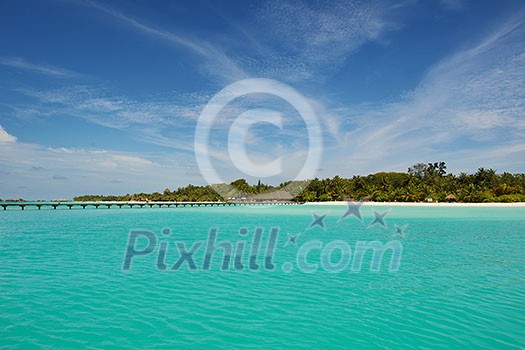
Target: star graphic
point(379, 218)
point(353, 208)
point(292, 239)
point(318, 221)
point(400, 230)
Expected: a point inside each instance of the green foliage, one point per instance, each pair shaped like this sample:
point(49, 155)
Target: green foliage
point(420, 183)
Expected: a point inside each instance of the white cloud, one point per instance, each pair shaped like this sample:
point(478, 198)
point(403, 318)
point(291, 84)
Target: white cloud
point(150, 121)
point(470, 103)
point(311, 28)
point(20, 63)
point(316, 37)
point(312, 37)
point(463, 102)
point(61, 150)
point(86, 171)
point(487, 119)
point(133, 161)
point(5, 137)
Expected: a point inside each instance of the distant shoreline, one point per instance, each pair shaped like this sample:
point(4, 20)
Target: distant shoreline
point(325, 203)
point(422, 204)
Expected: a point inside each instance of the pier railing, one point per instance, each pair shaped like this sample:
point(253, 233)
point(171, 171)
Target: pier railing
point(132, 204)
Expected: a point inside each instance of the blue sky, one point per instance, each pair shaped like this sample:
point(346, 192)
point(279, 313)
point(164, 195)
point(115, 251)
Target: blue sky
point(104, 97)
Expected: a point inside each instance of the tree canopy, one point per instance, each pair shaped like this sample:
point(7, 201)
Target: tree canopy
point(421, 182)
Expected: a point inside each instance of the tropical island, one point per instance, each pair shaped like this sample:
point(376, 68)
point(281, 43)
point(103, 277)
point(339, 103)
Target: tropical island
point(422, 182)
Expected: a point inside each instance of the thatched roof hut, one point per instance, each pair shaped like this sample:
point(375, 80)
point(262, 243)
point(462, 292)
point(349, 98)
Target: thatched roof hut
point(450, 198)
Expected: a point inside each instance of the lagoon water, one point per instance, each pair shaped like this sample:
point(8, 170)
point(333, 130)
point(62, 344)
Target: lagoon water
point(460, 283)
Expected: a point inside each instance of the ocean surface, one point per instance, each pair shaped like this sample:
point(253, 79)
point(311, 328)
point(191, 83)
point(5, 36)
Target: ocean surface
point(459, 281)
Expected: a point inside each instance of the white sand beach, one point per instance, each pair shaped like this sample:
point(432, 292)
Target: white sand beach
point(421, 204)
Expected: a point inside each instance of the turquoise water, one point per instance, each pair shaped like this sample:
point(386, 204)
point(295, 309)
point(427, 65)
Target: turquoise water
point(460, 282)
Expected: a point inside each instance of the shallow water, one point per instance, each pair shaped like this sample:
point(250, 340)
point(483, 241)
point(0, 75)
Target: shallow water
point(460, 282)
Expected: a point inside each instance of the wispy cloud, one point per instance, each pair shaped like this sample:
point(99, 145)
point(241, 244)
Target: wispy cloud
point(82, 171)
point(290, 40)
point(316, 38)
point(468, 108)
point(168, 121)
point(453, 5)
point(98, 106)
point(216, 61)
point(20, 63)
point(469, 103)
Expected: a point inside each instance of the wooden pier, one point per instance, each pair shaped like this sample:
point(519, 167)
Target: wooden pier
point(120, 205)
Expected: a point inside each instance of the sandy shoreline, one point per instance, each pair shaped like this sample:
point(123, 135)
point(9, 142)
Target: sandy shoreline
point(421, 204)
